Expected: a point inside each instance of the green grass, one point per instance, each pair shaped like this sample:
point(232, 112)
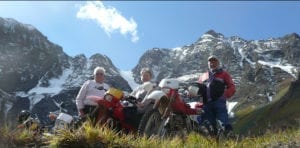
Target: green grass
point(248, 117)
point(19, 137)
point(281, 93)
point(89, 136)
point(281, 113)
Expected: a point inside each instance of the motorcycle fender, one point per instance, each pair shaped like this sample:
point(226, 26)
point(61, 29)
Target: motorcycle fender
point(155, 95)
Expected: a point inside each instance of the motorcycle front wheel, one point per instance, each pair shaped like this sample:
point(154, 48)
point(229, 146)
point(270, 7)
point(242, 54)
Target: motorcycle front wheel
point(150, 123)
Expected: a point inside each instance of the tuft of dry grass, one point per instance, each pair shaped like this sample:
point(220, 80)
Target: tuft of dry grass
point(101, 136)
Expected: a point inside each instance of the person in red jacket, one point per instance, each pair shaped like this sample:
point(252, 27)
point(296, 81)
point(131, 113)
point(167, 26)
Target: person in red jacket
point(219, 87)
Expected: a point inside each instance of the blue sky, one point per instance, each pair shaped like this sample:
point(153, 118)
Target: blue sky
point(123, 31)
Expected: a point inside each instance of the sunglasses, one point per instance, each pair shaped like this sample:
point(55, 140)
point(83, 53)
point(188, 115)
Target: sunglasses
point(99, 74)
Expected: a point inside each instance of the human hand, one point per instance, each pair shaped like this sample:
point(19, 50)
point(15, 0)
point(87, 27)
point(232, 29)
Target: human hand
point(199, 111)
point(140, 105)
point(81, 113)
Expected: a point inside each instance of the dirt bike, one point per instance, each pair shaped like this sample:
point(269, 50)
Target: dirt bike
point(61, 119)
point(27, 121)
point(170, 115)
point(123, 112)
point(117, 111)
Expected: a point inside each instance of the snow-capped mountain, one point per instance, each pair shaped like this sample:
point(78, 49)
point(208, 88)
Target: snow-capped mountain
point(35, 73)
point(257, 67)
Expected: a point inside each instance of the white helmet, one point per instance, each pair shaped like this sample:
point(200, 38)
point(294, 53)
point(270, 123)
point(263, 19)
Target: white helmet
point(193, 90)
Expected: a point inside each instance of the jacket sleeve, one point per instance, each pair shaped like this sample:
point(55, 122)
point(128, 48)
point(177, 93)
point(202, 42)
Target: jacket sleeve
point(133, 93)
point(106, 86)
point(230, 90)
point(81, 96)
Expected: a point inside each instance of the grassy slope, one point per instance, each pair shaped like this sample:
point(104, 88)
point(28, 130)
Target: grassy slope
point(283, 113)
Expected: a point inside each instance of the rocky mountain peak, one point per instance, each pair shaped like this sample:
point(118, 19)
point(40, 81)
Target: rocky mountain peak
point(99, 59)
point(11, 24)
point(292, 36)
point(257, 66)
point(23, 49)
point(214, 33)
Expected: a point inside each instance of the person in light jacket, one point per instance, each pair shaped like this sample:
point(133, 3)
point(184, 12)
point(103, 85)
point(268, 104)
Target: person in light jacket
point(95, 87)
point(140, 92)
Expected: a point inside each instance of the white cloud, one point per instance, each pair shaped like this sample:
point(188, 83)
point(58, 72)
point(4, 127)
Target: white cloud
point(109, 18)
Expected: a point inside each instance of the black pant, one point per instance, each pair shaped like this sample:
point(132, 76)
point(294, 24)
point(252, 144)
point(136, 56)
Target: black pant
point(91, 112)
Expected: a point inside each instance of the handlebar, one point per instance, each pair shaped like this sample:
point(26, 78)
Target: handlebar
point(131, 99)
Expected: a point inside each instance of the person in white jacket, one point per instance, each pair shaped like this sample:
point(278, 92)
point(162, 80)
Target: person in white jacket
point(95, 87)
point(141, 91)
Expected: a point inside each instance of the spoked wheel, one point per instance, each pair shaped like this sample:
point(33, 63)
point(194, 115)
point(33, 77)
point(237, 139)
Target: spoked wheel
point(163, 129)
point(174, 126)
point(110, 123)
point(150, 123)
point(102, 115)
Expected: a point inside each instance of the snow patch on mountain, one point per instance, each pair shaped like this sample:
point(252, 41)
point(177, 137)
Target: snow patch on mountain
point(56, 85)
point(156, 71)
point(127, 75)
point(189, 77)
point(89, 63)
point(243, 55)
point(230, 106)
point(37, 93)
point(35, 98)
point(287, 67)
point(270, 97)
point(204, 40)
point(273, 44)
point(180, 52)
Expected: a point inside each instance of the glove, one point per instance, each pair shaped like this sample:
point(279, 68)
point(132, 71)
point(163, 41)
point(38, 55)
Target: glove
point(199, 111)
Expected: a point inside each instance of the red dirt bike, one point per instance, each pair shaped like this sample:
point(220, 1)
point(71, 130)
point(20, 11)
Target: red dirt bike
point(171, 115)
point(114, 110)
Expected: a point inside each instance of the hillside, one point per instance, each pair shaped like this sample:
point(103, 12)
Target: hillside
point(282, 114)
